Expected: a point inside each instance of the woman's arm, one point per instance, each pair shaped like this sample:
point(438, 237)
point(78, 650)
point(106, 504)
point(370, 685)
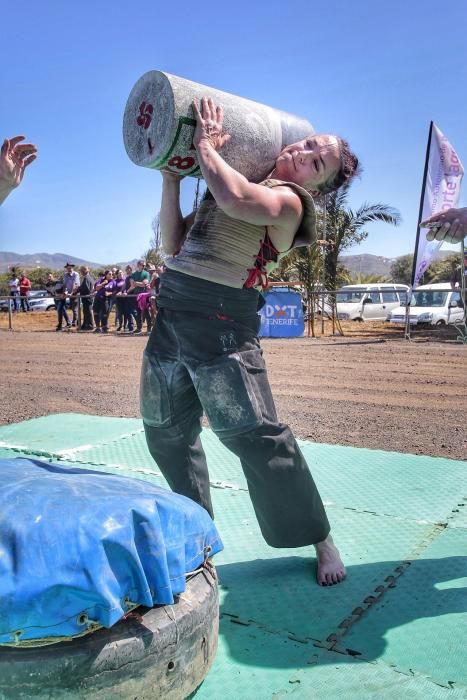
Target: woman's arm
point(239, 198)
point(174, 226)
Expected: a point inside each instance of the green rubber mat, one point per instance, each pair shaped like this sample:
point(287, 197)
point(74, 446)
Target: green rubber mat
point(252, 664)
point(422, 622)
point(66, 432)
point(282, 579)
point(402, 485)
point(396, 626)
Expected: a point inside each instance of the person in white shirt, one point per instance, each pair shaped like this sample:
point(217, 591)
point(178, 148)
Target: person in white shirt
point(71, 283)
point(13, 288)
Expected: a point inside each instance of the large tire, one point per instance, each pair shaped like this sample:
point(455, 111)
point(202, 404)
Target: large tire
point(164, 654)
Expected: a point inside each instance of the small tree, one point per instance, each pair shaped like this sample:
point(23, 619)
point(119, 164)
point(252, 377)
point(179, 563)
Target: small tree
point(154, 254)
point(444, 270)
point(401, 269)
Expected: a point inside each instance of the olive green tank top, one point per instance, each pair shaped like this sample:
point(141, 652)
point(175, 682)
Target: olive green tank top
point(224, 250)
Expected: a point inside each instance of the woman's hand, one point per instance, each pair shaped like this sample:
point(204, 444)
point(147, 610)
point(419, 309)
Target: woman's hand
point(209, 124)
point(170, 176)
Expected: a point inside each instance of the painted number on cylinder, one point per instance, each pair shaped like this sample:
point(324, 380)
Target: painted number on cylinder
point(146, 111)
point(181, 163)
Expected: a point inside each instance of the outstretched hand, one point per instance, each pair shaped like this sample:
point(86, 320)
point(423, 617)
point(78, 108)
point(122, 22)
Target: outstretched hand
point(209, 123)
point(449, 226)
point(14, 159)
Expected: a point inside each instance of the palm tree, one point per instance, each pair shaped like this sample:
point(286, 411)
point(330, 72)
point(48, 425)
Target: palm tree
point(345, 227)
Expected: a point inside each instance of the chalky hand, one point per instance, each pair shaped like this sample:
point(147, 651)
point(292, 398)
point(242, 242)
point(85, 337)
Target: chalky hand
point(209, 124)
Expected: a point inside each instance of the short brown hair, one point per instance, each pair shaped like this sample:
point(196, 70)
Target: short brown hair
point(349, 168)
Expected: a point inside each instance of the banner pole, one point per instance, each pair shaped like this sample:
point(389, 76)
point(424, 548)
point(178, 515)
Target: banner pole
point(417, 237)
point(324, 252)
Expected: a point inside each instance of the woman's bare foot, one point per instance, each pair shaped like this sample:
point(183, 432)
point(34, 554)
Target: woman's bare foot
point(331, 570)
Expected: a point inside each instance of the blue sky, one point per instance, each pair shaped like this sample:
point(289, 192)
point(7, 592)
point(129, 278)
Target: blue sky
point(375, 72)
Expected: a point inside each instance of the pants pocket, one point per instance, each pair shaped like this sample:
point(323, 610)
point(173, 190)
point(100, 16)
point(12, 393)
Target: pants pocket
point(228, 395)
point(154, 396)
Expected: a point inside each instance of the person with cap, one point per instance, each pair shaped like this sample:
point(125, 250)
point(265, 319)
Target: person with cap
point(85, 291)
point(14, 159)
point(204, 354)
point(60, 298)
point(71, 284)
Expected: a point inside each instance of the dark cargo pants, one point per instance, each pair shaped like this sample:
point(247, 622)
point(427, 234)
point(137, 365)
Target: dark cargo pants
point(194, 364)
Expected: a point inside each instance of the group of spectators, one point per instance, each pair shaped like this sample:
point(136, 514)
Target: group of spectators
point(19, 289)
point(132, 292)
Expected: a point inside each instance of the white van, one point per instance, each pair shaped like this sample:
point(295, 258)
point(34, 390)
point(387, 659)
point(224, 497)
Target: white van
point(433, 304)
point(369, 302)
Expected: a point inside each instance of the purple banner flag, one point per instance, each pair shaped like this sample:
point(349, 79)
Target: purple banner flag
point(442, 186)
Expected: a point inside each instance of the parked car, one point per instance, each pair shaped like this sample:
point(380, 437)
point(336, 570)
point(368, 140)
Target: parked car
point(39, 300)
point(369, 302)
point(432, 304)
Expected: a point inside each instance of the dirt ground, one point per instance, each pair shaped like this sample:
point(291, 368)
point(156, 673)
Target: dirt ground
point(369, 388)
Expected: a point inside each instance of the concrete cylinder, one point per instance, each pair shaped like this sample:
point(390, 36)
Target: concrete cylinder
point(158, 127)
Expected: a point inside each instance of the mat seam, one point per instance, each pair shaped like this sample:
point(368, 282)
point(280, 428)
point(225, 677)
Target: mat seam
point(334, 640)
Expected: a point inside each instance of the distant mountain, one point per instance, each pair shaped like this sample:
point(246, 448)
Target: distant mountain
point(367, 264)
point(55, 261)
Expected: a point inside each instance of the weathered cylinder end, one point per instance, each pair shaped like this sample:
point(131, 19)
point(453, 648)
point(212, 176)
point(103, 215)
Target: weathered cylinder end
point(148, 119)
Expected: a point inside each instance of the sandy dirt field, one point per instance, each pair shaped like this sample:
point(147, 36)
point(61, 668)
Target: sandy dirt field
point(370, 388)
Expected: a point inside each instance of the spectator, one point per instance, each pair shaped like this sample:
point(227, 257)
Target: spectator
point(119, 299)
point(143, 301)
point(104, 290)
point(139, 283)
point(24, 291)
point(154, 288)
point(112, 299)
point(159, 271)
point(71, 284)
point(50, 284)
point(128, 302)
point(13, 288)
point(85, 290)
point(60, 304)
point(14, 159)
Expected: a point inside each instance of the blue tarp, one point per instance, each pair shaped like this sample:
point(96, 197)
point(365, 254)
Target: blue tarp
point(78, 546)
point(282, 315)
